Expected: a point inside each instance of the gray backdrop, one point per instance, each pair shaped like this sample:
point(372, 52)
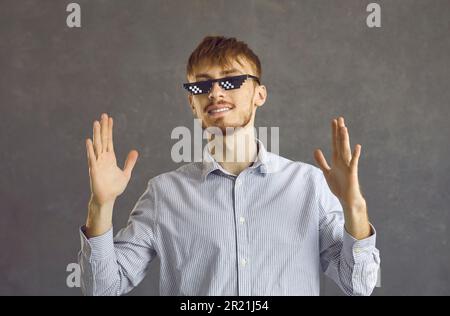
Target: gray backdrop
point(319, 60)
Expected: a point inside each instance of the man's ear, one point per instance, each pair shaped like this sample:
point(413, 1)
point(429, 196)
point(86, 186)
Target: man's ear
point(260, 95)
point(191, 103)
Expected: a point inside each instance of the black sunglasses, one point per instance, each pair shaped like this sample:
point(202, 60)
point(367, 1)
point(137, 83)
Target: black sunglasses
point(227, 83)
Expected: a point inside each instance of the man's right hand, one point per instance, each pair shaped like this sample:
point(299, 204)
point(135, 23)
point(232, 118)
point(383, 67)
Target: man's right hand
point(107, 180)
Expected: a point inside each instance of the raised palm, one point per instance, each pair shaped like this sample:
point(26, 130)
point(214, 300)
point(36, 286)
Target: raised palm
point(342, 176)
point(107, 180)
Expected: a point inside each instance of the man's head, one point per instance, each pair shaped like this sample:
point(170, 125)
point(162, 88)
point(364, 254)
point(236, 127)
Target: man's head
point(218, 57)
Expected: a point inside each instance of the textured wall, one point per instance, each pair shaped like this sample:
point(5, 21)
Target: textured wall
point(128, 59)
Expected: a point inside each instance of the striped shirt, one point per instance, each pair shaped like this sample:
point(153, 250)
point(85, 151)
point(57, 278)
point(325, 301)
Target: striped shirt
point(268, 231)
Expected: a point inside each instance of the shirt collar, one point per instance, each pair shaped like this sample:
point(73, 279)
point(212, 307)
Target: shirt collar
point(264, 163)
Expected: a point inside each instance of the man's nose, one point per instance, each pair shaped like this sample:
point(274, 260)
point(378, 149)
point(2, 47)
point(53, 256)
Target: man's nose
point(216, 91)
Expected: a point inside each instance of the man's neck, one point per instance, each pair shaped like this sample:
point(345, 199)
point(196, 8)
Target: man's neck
point(239, 150)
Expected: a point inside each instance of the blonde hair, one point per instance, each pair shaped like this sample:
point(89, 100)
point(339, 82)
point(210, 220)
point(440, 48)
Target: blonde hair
point(221, 51)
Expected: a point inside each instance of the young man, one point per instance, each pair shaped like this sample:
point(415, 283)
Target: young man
point(263, 225)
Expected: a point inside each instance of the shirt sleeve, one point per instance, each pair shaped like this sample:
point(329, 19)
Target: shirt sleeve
point(114, 266)
point(353, 264)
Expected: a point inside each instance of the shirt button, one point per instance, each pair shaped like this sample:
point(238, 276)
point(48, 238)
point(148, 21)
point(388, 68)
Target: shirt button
point(243, 262)
point(238, 183)
point(242, 220)
point(358, 250)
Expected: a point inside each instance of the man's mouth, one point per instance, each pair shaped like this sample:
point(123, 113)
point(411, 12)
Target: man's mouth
point(217, 110)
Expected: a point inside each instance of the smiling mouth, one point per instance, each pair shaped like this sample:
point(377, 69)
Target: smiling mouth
point(221, 110)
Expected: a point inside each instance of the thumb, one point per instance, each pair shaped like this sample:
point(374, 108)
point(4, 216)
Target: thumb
point(130, 162)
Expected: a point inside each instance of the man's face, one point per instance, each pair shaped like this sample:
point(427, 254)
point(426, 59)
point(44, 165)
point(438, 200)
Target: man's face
point(241, 103)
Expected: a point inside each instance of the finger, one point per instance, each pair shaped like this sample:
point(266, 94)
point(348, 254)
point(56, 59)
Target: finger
point(321, 161)
point(130, 162)
point(334, 140)
point(90, 153)
point(97, 141)
point(104, 132)
point(110, 135)
point(345, 145)
point(355, 158)
point(344, 141)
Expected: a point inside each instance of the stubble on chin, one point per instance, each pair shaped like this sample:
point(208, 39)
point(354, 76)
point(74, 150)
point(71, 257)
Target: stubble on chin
point(223, 128)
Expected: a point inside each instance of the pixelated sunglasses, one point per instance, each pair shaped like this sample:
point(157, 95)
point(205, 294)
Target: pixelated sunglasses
point(227, 83)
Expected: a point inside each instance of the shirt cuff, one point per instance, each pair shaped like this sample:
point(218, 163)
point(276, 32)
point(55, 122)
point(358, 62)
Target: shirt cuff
point(356, 250)
point(97, 248)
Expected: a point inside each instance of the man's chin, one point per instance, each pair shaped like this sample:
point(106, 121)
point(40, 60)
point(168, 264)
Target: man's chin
point(224, 128)
point(225, 125)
